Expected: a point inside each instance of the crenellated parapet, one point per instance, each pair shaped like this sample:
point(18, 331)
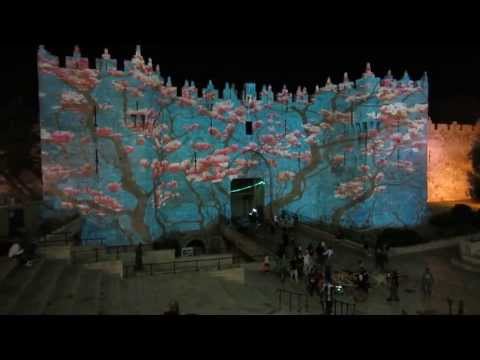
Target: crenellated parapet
point(368, 83)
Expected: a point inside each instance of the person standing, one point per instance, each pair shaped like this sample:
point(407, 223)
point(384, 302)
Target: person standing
point(427, 283)
point(394, 285)
point(293, 270)
point(328, 255)
point(139, 258)
point(307, 263)
point(266, 264)
point(328, 297)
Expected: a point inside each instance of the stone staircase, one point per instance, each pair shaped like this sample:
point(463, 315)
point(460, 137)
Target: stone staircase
point(56, 287)
point(469, 258)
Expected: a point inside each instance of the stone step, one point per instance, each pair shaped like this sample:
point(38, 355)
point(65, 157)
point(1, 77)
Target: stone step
point(36, 296)
point(467, 266)
point(15, 283)
point(62, 299)
point(111, 295)
point(7, 265)
point(87, 296)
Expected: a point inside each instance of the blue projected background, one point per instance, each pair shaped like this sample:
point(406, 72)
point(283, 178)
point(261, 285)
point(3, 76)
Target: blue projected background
point(138, 159)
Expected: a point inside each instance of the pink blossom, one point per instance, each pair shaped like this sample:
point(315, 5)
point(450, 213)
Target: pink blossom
point(364, 168)
point(108, 203)
point(240, 111)
point(214, 132)
point(382, 162)
point(67, 205)
point(286, 176)
point(62, 137)
point(172, 184)
point(104, 132)
point(352, 189)
point(86, 170)
point(140, 140)
point(144, 163)
point(128, 149)
point(228, 150)
point(379, 177)
point(135, 92)
point(396, 138)
point(105, 107)
point(250, 147)
point(175, 167)
point(185, 101)
point(114, 187)
point(73, 101)
point(257, 125)
point(172, 146)
point(201, 146)
point(338, 160)
point(243, 163)
point(272, 162)
point(268, 139)
point(191, 127)
point(69, 191)
point(116, 73)
point(406, 165)
point(292, 139)
point(120, 86)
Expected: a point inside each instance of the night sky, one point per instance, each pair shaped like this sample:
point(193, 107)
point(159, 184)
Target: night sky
point(453, 70)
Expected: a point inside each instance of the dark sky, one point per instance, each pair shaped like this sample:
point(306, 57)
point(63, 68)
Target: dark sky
point(453, 70)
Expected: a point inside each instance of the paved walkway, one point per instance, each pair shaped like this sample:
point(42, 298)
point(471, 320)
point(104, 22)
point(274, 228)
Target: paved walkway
point(449, 280)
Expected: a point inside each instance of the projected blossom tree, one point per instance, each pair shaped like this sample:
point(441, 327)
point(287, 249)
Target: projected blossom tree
point(122, 142)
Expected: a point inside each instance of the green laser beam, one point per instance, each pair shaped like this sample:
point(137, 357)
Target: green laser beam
point(248, 187)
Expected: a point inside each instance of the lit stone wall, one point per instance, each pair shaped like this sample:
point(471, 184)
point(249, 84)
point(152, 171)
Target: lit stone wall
point(448, 161)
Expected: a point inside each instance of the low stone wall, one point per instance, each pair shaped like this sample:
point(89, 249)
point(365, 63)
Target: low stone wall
point(319, 236)
point(111, 267)
point(471, 241)
point(61, 252)
point(88, 254)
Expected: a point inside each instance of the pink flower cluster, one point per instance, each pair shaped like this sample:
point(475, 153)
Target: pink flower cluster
point(73, 101)
point(61, 137)
point(285, 176)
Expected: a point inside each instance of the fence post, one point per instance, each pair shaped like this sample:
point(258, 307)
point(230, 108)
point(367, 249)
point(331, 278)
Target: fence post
point(290, 302)
point(218, 266)
point(450, 304)
point(299, 308)
point(118, 253)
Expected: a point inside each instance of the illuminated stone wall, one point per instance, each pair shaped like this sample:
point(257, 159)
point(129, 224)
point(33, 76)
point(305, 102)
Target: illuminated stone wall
point(138, 158)
point(448, 161)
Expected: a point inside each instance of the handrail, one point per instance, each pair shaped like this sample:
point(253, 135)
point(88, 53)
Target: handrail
point(342, 306)
point(173, 265)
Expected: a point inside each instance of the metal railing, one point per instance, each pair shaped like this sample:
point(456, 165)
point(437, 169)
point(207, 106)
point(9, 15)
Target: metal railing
point(339, 307)
point(302, 300)
point(174, 267)
point(99, 253)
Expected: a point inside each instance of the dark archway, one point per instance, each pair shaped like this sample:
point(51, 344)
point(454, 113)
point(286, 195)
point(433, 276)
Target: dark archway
point(198, 247)
point(246, 194)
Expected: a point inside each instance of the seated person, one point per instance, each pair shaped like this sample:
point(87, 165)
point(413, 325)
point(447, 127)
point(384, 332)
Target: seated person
point(18, 253)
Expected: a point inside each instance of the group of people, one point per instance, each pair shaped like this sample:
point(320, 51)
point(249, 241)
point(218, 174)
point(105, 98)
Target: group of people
point(311, 264)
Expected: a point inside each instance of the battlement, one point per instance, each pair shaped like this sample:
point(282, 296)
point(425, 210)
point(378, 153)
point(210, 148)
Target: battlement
point(108, 66)
point(453, 127)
